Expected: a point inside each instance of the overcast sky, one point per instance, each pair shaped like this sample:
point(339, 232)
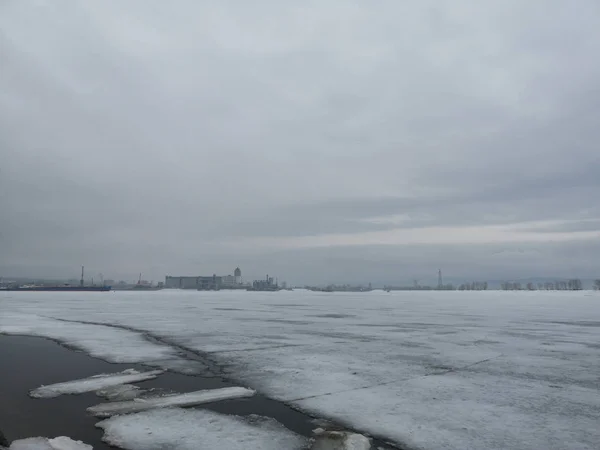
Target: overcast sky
point(326, 140)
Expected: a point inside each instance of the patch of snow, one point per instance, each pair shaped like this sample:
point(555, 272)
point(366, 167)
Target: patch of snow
point(197, 429)
point(120, 392)
point(41, 443)
point(183, 400)
point(93, 383)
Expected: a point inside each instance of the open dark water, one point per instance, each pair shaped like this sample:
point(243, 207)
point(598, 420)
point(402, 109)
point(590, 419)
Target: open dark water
point(28, 362)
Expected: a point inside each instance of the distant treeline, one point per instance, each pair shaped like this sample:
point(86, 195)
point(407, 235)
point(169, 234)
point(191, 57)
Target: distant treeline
point(445, 287)
point(573, 284)
point(474, 286)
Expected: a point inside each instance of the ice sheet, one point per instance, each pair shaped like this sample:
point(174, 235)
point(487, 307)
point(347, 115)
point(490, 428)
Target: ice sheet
point(93, 383)
point(105, 342)
point(194, 429)
point(420, 368)
point(41, 443)
point(188, 399)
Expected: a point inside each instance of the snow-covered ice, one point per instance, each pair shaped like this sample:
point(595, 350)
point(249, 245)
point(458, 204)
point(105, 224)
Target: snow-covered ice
point(187, 399)
point(42, 443)
point(93, 383)
point(194, 429)
point(430, 370)
point(109, 343)
point(120, 392)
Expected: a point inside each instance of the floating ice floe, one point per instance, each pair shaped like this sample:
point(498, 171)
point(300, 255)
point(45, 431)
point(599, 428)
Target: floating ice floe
point(94, 383)
point(188, 399)
point(42, 443)
point(120, 392)
point(339, 440)
point(195, 429)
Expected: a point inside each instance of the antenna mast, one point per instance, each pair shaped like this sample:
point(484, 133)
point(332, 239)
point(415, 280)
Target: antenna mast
point(81, 281)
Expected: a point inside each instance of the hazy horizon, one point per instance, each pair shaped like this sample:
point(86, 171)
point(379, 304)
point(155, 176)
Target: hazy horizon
point(428, 281)
point(330, 142)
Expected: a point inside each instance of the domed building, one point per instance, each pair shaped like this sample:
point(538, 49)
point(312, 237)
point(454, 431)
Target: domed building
point(237, 273)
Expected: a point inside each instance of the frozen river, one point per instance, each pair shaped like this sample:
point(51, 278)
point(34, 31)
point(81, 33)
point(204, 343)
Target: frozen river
point(451, 370)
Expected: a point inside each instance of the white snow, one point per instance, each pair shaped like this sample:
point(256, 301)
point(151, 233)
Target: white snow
point(120, 392)
point(429, 370)
point(41, 443)
point(65, 443)
point(188, 399)
point(93, 383)
point(195, 429)
point(36, 443)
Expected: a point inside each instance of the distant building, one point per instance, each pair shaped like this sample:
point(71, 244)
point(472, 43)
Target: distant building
point(228, 281)
point(209, 283)
point(213, 282)
point(181, 282)
point(265, 285)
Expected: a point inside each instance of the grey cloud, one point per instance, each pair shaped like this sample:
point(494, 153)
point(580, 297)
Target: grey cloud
point(550, 198)
point(148, 135)
point(572, 226)
point(400, 265)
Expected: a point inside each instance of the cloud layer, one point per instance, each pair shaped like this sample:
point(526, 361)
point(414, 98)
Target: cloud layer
point(388, 137)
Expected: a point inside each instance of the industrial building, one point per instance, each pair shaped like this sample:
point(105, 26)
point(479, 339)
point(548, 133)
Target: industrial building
point(232, 281)
point(206, 283)
point(213, 283)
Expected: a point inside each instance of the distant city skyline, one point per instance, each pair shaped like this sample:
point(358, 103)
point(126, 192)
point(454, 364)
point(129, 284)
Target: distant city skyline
point(431, 281)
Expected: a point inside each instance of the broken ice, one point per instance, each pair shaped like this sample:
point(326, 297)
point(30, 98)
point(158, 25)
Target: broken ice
point(42, 443)
point(188, 399)
point(197, 429)
point(93, 383)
